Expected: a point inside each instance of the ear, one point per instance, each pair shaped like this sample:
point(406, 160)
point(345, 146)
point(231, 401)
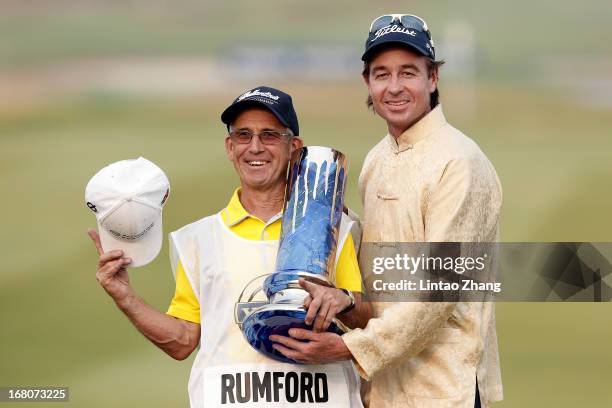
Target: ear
point(296, 143)
point(366, 78)
point(433, 80)
point(229, 148)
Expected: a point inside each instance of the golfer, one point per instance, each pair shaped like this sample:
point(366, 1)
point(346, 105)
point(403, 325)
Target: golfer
point(424, 181)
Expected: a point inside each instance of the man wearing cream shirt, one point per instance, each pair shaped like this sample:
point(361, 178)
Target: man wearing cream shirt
point(425, 181)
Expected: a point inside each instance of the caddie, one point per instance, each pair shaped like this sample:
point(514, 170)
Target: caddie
point(214, 258)
point(424, 181)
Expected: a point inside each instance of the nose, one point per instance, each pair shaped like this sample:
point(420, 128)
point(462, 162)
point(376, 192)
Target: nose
point(395, 86)
point(255, 146)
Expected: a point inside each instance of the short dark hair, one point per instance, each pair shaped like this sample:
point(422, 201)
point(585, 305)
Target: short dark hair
point(432, 65)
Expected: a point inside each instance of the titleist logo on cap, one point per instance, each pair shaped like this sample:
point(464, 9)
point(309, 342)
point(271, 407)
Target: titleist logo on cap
point(393, 29)
point(257, 92)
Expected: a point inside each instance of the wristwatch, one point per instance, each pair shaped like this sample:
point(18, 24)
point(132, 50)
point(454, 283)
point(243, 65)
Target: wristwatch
point(352, 297)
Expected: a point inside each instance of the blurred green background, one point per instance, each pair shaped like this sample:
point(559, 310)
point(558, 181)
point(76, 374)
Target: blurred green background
point(86, 83)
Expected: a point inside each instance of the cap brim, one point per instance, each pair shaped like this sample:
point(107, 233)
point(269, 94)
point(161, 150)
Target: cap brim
point(142, 251)
point(401, 43)
point(235, 109)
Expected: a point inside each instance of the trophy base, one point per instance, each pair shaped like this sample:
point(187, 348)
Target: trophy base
point(278, 319)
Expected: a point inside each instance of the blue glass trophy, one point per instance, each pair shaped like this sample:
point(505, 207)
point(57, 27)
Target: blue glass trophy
point(314, 200)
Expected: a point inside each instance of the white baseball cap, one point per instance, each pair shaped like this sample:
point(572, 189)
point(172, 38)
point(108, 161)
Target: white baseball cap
point(127, 198)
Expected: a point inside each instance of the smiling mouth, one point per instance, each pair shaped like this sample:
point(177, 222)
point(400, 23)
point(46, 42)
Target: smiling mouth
point(397, 103)
point(257, 163)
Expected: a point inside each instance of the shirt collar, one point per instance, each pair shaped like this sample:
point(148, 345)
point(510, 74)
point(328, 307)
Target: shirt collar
point(235, 212)
point(428, 124)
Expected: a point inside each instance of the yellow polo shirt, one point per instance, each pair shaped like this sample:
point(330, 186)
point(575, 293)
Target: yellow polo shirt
point(185, 305)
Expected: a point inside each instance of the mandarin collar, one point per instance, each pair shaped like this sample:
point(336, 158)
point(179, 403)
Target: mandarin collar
point(428, 124)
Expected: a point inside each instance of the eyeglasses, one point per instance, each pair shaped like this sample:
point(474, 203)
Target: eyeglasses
point(406, 20)
point(267, 137)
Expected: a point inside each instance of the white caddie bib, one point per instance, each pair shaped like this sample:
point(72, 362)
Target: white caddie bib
point(227, 371)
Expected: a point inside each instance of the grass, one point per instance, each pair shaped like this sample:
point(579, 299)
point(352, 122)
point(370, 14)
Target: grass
point(507, 41)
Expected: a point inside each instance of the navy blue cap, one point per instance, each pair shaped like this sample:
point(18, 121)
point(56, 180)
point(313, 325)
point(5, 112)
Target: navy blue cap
point(277, 102)
point(395, 33)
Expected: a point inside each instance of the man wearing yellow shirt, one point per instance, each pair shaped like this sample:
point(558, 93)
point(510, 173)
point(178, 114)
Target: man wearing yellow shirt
point(214, 258)
point(185, 305)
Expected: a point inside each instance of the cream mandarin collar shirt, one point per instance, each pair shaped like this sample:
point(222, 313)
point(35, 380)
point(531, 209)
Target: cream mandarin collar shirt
point(432, 184)
point(430, 123)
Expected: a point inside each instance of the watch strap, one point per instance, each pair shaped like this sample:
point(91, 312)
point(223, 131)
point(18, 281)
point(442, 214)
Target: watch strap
point(352, 297)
